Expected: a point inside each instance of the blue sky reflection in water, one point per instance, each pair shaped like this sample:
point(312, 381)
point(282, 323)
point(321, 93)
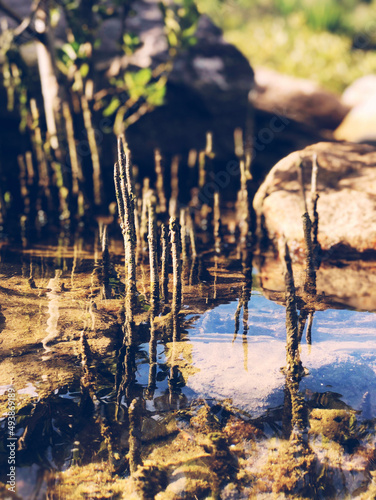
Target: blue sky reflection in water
point(247, 369)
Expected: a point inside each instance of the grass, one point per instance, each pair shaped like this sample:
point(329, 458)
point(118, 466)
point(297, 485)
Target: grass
point(303, 42)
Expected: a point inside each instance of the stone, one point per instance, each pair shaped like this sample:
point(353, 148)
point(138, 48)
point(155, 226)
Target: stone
point(346, 206)
point(360, 124)
point(359, 91)
point(299, 99)
point(290, 113)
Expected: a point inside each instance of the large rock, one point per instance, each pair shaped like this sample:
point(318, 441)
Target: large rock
point(290, 114)
point(360, 124)
point(359, 91)
point(347, 203)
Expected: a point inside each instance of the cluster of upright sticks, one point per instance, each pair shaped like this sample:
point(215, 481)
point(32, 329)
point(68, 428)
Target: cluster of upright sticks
point(133, 239)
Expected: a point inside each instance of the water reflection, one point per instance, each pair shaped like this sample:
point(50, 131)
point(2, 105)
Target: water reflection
point(54, 290)
point(115, 407)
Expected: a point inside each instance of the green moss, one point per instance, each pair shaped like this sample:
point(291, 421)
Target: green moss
point(335, 425)
point(290, 469)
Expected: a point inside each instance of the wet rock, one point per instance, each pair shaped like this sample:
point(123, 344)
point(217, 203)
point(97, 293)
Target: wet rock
point(290, 114)
point(360, 124)
point(346, 206)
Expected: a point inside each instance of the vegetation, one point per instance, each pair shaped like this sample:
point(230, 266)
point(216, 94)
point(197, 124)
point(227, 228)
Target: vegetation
point(326, 41)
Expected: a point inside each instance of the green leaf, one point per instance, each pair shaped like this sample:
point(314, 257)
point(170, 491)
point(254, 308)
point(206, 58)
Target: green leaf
point(84, 70)
point(112, 107)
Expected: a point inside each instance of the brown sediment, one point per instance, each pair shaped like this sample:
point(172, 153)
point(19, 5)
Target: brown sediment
point(165, 258)
point(153, 257)
point(159, 184)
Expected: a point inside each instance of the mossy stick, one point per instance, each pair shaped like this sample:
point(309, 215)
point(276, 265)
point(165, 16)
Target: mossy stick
point(97, 183)
point(153, 257)
point(105, 264)
point(176, 265)
point(165, 263)
point(192, 234)
point(310, 281)
point(159, 185)
point(173, 205)
point(314, 200)
point(217, 223)
point(74, 161)
point(292, 343)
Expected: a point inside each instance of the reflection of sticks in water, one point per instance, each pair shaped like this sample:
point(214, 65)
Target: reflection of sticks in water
point(152, 361)
point(245, 296)
point(153, 257)
point(105, 265)
point(309, 328)
point(294, 368)
point(134, 415)
point(292, 341)
point(165, 263)
point(126, 369)
point(302, 322)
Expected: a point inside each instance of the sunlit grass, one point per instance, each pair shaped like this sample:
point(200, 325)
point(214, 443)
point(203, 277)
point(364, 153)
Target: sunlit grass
point(287, 44)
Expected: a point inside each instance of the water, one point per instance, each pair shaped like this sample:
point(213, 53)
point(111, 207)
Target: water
point(217, 376)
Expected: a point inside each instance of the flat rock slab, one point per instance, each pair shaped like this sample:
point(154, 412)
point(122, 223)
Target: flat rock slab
point(346, 186)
